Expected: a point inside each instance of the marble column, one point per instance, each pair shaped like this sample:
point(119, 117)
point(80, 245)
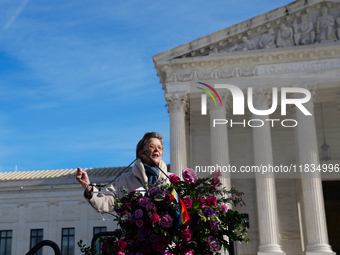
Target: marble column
point(265, 183)
point(314, 208)
point(219, 138)
point(177, 104)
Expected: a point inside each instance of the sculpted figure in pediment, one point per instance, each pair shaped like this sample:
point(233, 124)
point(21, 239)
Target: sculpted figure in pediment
point(285, 36)
point(325, 26)
point(267, 40)
point(338, 30)
point(245, 45)
point(304, 32)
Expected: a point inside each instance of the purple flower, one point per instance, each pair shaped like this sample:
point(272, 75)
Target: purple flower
point(166, 221)
point(213, 243)
point(153, 190)
point(139, 222)
point(133, 217)
point(143, 201)
point(151, 206)
point(139, 253)
point(153, 237)
point(140, 236)
point(189, 175)
point(209, 212)
point(139, 213)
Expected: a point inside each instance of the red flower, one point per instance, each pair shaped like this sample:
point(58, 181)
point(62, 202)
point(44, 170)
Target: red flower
point(120, 245)
point(174, 179)
point(169, 198)
point(187, 202)
point(132, 193)
point(104, 249)
point(183, 248)
point(200, 200)
point(211, 201)
point(154, 218)
point(186, 235)
point(160, 244)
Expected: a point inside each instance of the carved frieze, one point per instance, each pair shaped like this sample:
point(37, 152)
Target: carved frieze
point(300, 28)
point(212, 74)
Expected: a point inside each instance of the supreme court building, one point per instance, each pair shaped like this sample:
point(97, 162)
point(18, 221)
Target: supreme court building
point(294, 46)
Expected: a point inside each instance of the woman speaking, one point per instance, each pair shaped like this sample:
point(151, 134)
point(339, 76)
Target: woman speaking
point(149, 153)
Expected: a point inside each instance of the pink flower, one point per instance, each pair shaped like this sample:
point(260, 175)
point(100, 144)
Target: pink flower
point(139, 222)
point(120, 253)
point(217, 174)
point(213, 243)
point(191, 252)
point(211, 201)
point(174, 179)
point(224, 208)
point(120, 245)
point(154, 218)
point(166, 221)
point(187, 202)
point(189, 175)
point(186, 235)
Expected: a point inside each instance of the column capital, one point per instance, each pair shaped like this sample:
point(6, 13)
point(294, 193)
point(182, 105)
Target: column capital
point(309, 86)
point(176, 102)
point(261, 97)
point(225, 98)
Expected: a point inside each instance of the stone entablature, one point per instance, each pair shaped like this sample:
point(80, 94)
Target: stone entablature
point(307, 59)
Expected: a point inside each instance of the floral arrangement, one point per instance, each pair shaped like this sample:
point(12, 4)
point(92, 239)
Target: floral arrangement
point(181, 217)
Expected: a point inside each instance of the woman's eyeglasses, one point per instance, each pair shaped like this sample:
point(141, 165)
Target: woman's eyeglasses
point(153, 147)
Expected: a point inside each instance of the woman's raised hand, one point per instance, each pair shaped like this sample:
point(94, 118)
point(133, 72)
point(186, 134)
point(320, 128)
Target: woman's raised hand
point(82, 178)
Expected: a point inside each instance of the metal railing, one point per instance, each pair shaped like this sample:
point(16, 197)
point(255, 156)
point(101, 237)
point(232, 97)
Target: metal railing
point(96, 236)
point(39, 245)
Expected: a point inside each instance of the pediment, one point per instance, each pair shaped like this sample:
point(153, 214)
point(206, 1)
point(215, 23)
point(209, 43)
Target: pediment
point(303, 22)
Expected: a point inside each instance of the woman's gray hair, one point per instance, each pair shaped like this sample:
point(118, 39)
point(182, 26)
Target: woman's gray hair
point(145, 140)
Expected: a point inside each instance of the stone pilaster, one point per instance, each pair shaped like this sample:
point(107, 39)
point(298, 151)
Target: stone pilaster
point(51, 232)
point(337, 102)
point(21, 242)
point(219, 138)
point(314, 208)
point(177, 104)
point(265, 184)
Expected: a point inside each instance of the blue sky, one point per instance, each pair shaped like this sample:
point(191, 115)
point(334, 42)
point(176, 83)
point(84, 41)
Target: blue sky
point(77, 82)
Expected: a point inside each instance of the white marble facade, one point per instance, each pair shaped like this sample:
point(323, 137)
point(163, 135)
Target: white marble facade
point(296, 45)
point(43, 200)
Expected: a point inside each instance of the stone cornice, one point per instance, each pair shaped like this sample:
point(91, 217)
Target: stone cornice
point(250, 27)
point(247, 64)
